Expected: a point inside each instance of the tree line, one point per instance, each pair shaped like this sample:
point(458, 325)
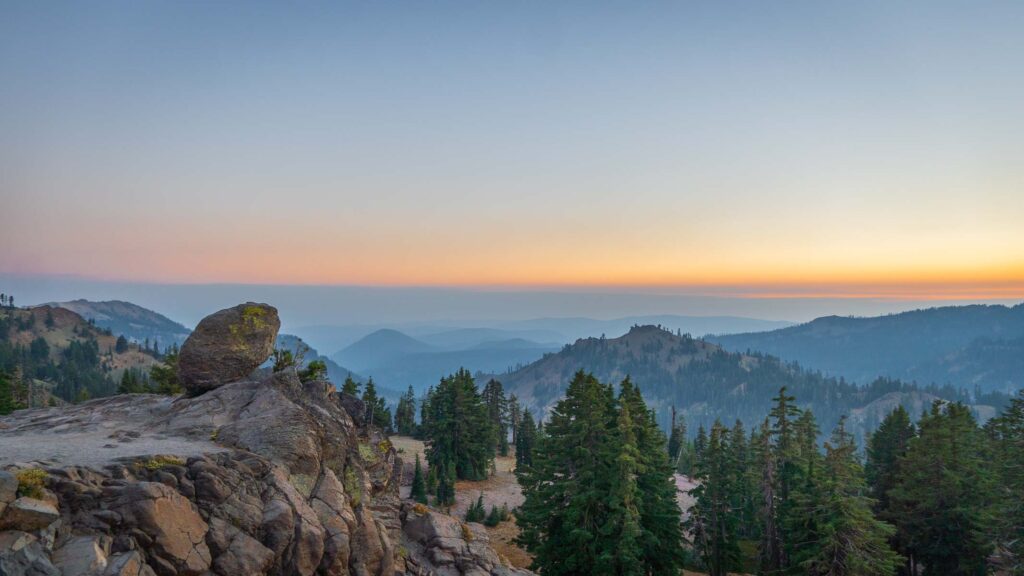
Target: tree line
point(942, 497)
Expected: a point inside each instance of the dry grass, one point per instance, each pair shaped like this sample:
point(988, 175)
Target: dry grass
point(502, 540)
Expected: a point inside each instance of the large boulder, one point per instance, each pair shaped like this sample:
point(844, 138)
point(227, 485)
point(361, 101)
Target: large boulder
point(227, 346)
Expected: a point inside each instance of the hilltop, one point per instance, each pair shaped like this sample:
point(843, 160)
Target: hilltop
point(704, 381)
point(965, 346)
point(136, 323)
point(69, 355)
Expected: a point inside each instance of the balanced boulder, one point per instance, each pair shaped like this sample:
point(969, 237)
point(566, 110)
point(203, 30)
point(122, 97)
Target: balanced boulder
point(227, 346)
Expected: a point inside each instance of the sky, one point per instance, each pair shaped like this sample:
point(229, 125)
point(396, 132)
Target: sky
point(754, 150)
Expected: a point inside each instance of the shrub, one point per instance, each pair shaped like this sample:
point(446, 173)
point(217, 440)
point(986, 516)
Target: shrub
point(476, 512)
point(31, 482)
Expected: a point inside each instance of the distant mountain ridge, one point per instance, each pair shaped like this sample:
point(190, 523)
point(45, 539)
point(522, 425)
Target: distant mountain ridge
point(133, 321)
point(976, 345)
point(705, 382)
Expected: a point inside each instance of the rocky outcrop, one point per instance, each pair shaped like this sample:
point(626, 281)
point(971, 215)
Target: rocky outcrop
point(227, 346)
point(269, 476)
point(442, 545)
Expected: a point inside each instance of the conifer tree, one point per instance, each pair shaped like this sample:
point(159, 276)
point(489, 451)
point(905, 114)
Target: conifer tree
point(493, 396)
point(405, 413)
point(419, 485)
point(1006, 433)
point(350, 387)
point(595, 491)
point(525, 441)
point(458, 429)
point(886, 448)
point(848, 541)
point(943, 498)
point(713, 520)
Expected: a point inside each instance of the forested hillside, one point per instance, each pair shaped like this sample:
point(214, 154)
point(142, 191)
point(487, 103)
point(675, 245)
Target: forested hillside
point(53, 352)
point(966, 346)
point(704, 382)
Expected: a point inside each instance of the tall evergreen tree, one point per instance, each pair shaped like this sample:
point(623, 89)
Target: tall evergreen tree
point(713, 519)
point(886, 448)
point(405, 413)
point(944, 493)
point(350, 387)
point(587, 510)
point(525, 440)
point(458, 429)
point(419, 484)
point(1006, 433)
point(848, 540)
point(493, 396)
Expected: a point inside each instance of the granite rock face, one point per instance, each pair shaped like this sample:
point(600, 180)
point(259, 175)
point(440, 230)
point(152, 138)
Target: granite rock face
point(260, 477)
point(227, 346)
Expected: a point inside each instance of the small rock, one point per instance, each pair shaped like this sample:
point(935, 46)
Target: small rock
point(227, 346)
point(15, 540)
point(29, 560)
point(80, 555)
point(8, 489)
point(29, 514)
point(128, 564)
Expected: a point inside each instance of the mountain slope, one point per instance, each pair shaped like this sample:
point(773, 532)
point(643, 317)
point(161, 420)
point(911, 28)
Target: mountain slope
point(60, 348)
point(133, 321)
point(963, 345)
point(700, 379)
point(335, 373)
point(378, 348)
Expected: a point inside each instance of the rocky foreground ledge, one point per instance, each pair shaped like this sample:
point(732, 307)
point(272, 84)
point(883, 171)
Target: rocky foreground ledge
point(269, 476)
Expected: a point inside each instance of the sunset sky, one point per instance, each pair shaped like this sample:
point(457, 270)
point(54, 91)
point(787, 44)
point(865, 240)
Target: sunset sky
point(748, 149)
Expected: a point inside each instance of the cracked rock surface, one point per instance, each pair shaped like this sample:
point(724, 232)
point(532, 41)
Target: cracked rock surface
point(271, 476)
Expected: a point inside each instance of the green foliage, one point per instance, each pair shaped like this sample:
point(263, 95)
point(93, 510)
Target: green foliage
point(9, 401)
point(476, 512)
point(164, 377)
point(283, 359)
point(459, 431)
point(377, 412)
point(158, 462)
point(493, 396)
point(419, 485)
point(350, 387)
point(314, 370)
point(121, 346)
point(599, 495)
point(497, 516)
point(526, 438)
point(944, 495)
point(405, 414)
point(1006, 435)
point(31, 482)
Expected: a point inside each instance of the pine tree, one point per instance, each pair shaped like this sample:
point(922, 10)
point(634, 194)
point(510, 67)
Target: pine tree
point(525, 441)
point(885, 450)
point(595, 493)
point(419, 485)
point(493, 396)
point(350, 387)
point(1006, 433)
point(405, 413)
point(515, 417)
point(476, 511)
point(458, 428)
point(713, 520)
point(944, 493)
point(848, 540)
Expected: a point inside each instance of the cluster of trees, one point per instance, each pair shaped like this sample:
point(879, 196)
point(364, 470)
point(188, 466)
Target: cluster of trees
point(161, 378)
point(805, 512)
point(377, 411)
point(6, 300)
point(953, 490)
point(465, 429)
point(943, 497)
point(599, 492)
